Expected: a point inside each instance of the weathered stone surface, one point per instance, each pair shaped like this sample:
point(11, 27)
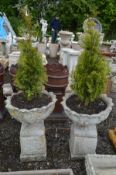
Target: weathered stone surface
point(113, 87)
point(33, 142)
point(83, 136)
point(33, 115)
point(100, 164)
point(7, 89)
point(14, 57)
point(40, 172)
point(4, 61)
point(37, 129)
point(86, 119)
point(32, 134)
point(83, 140)
point(69, 57)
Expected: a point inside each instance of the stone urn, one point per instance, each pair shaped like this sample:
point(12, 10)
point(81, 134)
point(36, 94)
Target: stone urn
point(13, 58)
point(32, 134)
point(53, 50)
point(65, 38)
point(83, 134)
point(41, 48)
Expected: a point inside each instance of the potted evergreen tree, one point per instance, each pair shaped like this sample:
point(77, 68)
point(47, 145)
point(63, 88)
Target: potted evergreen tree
point(86, 107)
point(31, 105)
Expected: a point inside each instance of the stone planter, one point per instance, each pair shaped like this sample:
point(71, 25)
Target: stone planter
point(83, 135)
point(7, 89)
point(42, 48)
point(13, 58)
point(4, 61)
point(100, 164)
point(75, 45)
point(41, 172)
point(72, 59)
point(32, 134)
point(53, 50)
point(65, 38)
point(57, 82)
point(64, 55)
point(69, 57)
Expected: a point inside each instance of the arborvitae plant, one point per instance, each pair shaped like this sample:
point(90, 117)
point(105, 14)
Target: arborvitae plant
point(90, 74)
point(31, 74)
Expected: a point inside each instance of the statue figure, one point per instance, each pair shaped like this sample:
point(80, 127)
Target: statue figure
point(44, 28)
point(9, 42)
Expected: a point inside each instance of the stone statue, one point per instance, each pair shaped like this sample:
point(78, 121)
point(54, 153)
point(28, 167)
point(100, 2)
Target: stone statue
point(9, 42)
point(44, 27)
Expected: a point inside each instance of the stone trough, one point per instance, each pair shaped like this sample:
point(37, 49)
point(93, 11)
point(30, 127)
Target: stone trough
point(100, 164)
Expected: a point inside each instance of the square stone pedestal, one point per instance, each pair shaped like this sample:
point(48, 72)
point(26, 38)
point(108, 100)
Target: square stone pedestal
point(83, 140)
point(33, 142)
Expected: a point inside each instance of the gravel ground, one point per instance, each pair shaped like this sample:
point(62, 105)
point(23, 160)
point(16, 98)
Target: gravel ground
point(58, 154)
point(57, 134)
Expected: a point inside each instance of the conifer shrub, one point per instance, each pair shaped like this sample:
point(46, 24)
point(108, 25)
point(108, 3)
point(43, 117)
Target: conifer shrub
point(90, 75)
point(31, 75)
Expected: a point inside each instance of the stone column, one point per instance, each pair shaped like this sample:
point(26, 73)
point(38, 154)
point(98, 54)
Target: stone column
point(83, 140)
point(33, 142)
point(72, 59)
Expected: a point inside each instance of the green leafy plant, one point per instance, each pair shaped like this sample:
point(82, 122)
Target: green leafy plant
point(91, 72)
point(31, 75)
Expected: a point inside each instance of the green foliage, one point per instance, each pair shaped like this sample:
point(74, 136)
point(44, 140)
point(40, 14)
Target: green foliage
point(29, 27)
point(72, 13)
point(91, 72)
point(31, 75)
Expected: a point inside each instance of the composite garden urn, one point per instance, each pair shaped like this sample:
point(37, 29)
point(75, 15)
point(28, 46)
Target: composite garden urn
point(32, 134)
point(65, 38)
point(83, 134)
point(53, 50)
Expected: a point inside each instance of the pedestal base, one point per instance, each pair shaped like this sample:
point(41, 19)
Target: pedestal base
point(83, 140)
point(33, 142)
